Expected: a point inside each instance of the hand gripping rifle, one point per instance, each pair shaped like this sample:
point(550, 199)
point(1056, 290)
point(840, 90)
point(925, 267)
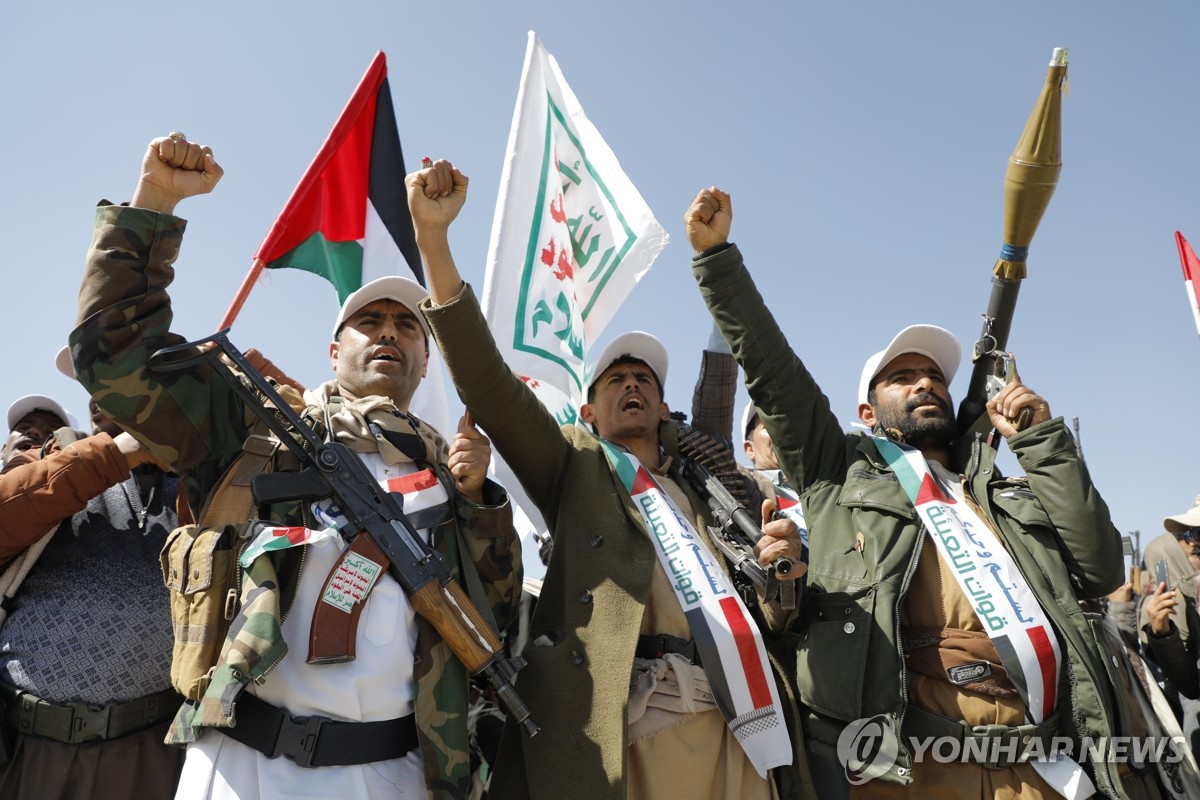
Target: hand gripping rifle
point(1029, 183)
point(377, 526)
point(735, 534)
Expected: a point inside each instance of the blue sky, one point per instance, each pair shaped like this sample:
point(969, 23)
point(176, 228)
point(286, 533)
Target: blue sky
point(864, 145)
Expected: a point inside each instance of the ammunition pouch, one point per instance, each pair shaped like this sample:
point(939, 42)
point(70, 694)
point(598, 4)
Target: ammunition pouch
point(200, 570)
point(200, 567)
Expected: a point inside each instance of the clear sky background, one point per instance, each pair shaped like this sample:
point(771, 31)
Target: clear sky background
point(864, 145)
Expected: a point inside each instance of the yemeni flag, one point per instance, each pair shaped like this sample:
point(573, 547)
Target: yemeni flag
point(726, 636)
point(1191, 271)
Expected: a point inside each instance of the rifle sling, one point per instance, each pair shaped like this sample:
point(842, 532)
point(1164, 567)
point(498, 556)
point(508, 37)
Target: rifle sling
point(232, 502)
point(470, 574)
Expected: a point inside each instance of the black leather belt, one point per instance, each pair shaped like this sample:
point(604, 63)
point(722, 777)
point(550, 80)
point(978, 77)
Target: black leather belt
point(660, 644)
point(76, 723)
point(319, 741)
point(1003, 745)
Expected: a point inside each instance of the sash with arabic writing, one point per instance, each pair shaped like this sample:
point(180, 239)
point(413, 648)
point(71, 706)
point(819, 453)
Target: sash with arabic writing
point(726, 636)
point(999, 595)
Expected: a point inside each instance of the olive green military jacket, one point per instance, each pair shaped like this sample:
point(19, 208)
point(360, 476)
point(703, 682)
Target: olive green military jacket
point(850, 663)
point(585, 627)
point(193, 421)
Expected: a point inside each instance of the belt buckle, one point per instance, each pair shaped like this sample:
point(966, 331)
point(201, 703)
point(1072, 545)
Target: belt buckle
point(1005, 745)
point(297, 738)
point(88, 722)
point(661, 646)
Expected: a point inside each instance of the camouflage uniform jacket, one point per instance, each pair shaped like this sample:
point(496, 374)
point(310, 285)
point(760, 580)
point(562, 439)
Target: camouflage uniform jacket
point(193, 421)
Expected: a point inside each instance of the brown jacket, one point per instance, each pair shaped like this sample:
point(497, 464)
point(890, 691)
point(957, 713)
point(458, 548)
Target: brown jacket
point(36, 496)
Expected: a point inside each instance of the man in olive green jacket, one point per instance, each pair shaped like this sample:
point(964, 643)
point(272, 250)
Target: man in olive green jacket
point(604, 586)
point(873, 571)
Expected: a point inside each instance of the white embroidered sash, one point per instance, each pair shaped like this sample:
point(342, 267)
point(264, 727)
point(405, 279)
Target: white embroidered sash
point(1000, 597)
point(726, 636)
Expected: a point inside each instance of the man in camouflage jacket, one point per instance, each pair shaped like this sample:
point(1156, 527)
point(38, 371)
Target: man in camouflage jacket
point(193, 421)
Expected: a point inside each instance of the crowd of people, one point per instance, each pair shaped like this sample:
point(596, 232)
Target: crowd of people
point(166, 631)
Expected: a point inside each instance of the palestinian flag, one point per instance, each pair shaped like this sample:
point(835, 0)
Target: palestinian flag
point(273, 537)
point(347, 220)
point(1191, 273)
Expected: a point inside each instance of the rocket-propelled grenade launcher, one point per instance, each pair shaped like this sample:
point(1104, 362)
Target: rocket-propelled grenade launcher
point(1029, 183)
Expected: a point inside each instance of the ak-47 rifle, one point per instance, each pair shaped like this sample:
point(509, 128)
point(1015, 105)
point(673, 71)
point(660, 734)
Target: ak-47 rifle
point(735, 533)
point(376, 525)
point(1029, 182)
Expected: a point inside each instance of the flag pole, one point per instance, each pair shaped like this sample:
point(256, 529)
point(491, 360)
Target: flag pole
point(240, 299)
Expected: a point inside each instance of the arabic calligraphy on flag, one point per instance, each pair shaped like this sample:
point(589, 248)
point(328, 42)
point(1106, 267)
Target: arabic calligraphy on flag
point(570, 239)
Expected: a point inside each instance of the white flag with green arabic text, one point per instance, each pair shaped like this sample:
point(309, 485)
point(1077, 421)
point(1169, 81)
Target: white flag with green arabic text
point(570, 239)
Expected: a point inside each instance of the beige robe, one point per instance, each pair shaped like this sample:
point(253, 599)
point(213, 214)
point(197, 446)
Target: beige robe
point(936, 600)
point(684, 754)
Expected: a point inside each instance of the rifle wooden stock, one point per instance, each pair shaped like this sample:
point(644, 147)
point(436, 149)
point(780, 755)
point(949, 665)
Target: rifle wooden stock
point(444, 606)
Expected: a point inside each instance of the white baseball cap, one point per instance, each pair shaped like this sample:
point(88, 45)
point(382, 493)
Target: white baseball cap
point(1188, 519)
point(64, 363)
point(748, 413)
point(39, 402)
point(402, 290)
point(635, 344)
point(933, 342)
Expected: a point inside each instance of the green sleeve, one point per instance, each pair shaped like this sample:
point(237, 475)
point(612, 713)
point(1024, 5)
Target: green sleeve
point(1088, 542)
point(524, 433)
point(492, 545)
point(808, 440)
point(189, 419)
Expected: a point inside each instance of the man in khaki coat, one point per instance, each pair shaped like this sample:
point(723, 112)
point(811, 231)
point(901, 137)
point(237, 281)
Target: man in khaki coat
point(608, 616)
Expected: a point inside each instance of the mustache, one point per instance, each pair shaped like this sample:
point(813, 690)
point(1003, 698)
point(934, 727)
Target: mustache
point(925, 398)
point(391, 350)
